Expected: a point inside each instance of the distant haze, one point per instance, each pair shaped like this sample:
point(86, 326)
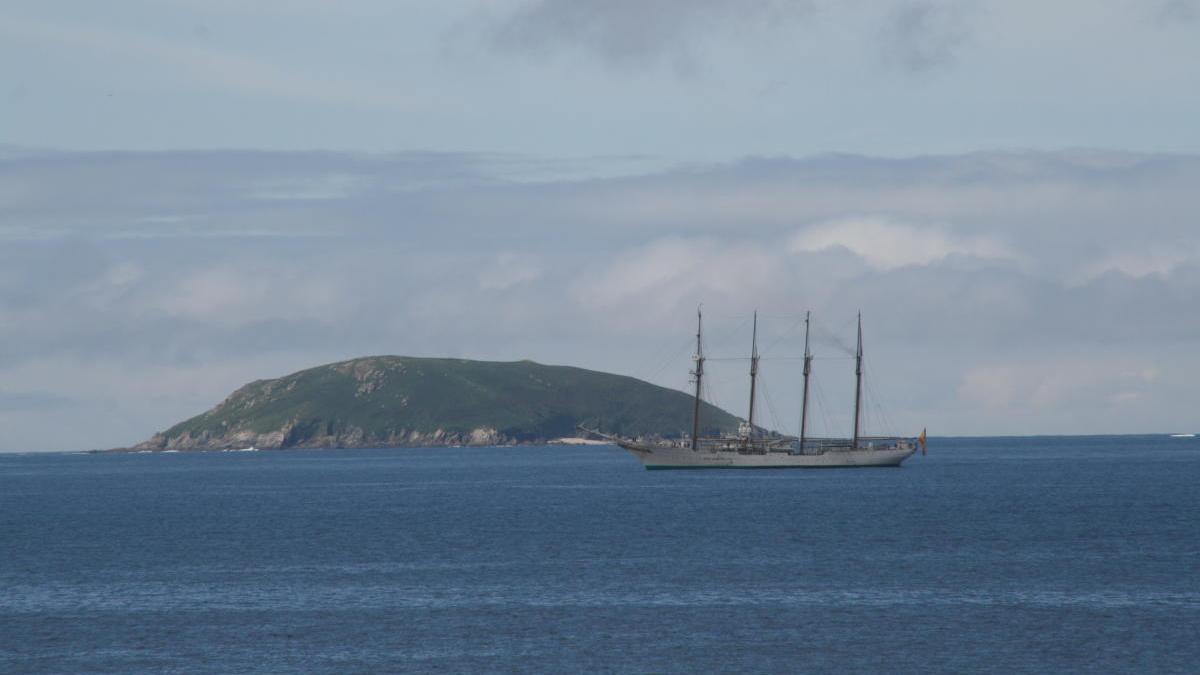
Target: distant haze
point(566, 182)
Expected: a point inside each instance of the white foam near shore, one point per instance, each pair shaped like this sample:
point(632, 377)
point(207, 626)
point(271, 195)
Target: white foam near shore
point(576, 441)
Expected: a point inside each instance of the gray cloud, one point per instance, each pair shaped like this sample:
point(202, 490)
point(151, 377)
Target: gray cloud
point(1178, 11)
point(925, 34)
point(918, 35)
point(1005, 292)
point(632, 33)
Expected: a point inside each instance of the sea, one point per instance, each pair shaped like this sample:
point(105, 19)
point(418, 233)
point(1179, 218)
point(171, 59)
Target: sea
point(1037, 555)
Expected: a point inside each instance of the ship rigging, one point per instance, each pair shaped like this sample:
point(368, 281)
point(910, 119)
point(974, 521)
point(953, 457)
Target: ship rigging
point(751, 449)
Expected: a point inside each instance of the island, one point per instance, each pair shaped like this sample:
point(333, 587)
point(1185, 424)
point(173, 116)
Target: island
point(399, 401)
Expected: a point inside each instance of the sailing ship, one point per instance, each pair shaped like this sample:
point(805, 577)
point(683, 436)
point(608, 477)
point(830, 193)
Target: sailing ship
point(752, 448)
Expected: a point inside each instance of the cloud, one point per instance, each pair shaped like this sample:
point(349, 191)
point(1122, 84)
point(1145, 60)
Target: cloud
point(886, 245)
point(963, 265)
point(1178, 11)
point(1137, 263)
point(918, 35)
point(667, 273)
point(332, 186)
point(925, 34)
point(629, 33)
point(254, 291)
point(1030, 391)
point(506, 271)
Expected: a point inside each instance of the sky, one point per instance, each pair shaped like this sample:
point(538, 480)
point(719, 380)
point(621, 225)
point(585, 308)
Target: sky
point(198, 194)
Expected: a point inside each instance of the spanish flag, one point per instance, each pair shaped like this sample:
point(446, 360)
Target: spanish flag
point(921, 440)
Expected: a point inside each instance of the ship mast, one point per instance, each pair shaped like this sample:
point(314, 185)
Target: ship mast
point(698, 373)
point(753, 369)
point(858, 382)
point(807, 371)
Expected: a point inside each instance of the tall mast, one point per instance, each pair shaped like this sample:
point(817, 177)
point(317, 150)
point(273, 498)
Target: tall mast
point(807, 371)
point(858, 382)
point(753, 369)
point(698, 373)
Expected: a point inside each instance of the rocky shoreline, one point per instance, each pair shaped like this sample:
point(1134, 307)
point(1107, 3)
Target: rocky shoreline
point(275, 441)
point(286, 438)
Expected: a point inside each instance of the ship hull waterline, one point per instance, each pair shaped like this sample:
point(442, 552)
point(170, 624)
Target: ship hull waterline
point(659, 457)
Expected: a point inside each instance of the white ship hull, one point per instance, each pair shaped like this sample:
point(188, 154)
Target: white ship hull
point(670, 457)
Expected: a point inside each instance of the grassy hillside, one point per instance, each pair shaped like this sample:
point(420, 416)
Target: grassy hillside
point(392, 400)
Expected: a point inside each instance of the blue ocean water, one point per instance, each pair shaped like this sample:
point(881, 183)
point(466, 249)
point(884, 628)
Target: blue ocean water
point(1013, 555)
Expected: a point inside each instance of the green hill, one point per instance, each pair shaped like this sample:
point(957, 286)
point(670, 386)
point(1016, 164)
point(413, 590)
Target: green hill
point(390, 401)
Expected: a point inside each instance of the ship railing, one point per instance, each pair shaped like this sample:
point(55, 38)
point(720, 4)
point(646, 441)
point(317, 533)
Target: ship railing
point(812, 439)
point(816, 446)
point(812, 446)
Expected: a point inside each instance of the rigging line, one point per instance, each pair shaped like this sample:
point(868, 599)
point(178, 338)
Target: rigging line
point(726, 317)
point(727, 378)
point(884, 424)
point(665, 347)
point(870, 421)
point(711, 395)
point(868, 415)
point(706, 395)
point(801, 358)
point(825, 334)
point(881, 404)
point(786, 333)
point(674, 357)
point(887, 419)
point(728, 335)
point(822, 407)
point(871, 405)
point(766, 399)
point(771, 406)
point(869, 399)
point(891, 427)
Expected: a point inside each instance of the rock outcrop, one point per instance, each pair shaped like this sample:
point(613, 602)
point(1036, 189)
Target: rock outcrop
point(351, 438)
